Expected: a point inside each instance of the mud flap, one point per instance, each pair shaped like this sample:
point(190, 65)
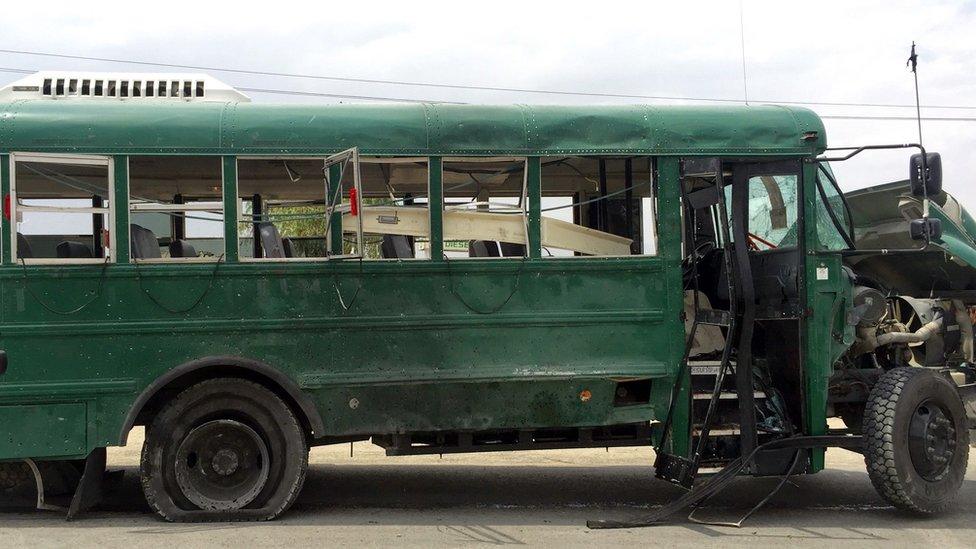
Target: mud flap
point(91, 486)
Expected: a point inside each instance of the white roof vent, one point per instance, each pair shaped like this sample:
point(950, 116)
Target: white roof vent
point(122, 86)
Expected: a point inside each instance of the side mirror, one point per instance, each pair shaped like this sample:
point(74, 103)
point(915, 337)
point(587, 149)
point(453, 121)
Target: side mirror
point(929, 183)
point(922, 228)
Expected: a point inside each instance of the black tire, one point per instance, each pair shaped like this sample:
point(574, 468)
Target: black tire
point(15, 474)
point(224, 449)
point(916, 440)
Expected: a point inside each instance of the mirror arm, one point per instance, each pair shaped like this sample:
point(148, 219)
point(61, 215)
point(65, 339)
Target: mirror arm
point(858, 150)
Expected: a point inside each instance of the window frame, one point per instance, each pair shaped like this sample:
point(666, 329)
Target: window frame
point(797, 207)
point(524, 199)
point(240, 218)
point(71, 160)
point(397, 160)
point(357, 159)
point(654, 229)
point(170, 208)
point(846, 233)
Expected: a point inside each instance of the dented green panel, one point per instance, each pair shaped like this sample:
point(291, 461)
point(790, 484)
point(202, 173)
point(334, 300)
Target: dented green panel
point(245, 128)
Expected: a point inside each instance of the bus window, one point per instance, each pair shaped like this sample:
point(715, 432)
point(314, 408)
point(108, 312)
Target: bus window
point(772, 211)
point(829, 235)
point(63, 209)
point(597, 206)
point(485, 207)
point(285, 202)
point(281, 208)
point(176, 209)
point(393, 207)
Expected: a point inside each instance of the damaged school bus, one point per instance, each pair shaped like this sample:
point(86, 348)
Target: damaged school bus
point(249, 280)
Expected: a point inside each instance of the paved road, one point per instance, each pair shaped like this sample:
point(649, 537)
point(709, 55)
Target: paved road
point(530, 498)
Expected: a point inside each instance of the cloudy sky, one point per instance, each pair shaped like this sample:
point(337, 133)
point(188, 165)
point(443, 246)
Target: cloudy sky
point(827, 52)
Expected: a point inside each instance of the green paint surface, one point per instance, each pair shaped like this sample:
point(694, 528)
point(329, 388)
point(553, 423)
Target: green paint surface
point(426, 130)
point(415, 349)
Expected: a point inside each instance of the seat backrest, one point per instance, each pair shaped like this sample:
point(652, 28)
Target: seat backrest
point(182, 248)
point(708, 337)
point(289, 248)
point(74, 250)
point(143, 243)
point(271, 241)
point(397, 246)
point(510, 249)
point(483, 248)
point(23, 247)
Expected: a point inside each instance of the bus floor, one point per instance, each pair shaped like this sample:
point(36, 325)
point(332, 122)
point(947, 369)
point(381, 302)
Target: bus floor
point(512, 498)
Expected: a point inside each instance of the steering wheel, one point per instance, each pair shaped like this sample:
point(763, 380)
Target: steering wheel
point(753, 240)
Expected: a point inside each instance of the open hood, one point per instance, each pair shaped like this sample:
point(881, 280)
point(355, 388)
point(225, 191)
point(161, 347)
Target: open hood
point(947, 268)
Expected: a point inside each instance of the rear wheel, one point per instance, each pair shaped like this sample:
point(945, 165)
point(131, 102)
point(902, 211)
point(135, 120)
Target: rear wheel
point(224, 449)
point(14, 474)
point(916, 440)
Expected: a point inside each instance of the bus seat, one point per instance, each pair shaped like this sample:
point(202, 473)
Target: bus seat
point(289, 248)
point(68, 249)
point(24, 247)
point(271, 242)
point(708, 337)
point(143, 243)
point(182, 248)
point(396, 246)
point(483, 248)
point(510, 249)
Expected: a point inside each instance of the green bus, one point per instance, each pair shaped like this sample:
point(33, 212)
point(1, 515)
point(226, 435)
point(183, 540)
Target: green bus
point(251, 280)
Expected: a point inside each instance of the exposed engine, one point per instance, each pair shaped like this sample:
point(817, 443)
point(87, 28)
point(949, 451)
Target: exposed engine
point(907, 331)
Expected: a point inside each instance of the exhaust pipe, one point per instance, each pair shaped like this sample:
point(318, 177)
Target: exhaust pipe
point(919, 336)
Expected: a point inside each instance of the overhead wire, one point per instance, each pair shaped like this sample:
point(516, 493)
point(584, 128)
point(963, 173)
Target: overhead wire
point(274, 91)
point(441, 85)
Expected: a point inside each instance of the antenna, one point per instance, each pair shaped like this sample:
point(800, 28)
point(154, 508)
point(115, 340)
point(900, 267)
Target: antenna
point(913, 65)
point(742, 41)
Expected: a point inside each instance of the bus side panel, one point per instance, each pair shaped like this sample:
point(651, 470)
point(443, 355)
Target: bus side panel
point(414, 348)
point(43, 430)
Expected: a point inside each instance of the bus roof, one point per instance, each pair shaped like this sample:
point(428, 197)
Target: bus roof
point(144, 126)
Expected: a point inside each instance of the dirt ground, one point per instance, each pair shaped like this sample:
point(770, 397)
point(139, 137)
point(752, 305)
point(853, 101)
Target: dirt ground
point(539, 498)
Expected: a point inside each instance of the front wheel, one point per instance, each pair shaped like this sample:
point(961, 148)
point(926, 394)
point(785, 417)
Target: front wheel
point(916, 440)
point(224, 449)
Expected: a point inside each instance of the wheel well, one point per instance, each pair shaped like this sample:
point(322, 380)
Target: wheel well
point(161, 391)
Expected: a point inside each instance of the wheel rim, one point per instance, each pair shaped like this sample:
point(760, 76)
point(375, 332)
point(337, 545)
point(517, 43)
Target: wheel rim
point(931, 440)
point(222, 465)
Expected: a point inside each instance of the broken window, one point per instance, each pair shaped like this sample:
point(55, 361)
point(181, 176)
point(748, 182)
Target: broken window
point(485, 207)
point(597, 206)
point(394, 209)
point(772, 211)
point(282, 211)
point(286, 203)
point(834, 230)
point(63, 209)
point(176, 209)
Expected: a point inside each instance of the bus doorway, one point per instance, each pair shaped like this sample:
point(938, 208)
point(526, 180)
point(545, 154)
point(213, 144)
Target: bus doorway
point(743, 307)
